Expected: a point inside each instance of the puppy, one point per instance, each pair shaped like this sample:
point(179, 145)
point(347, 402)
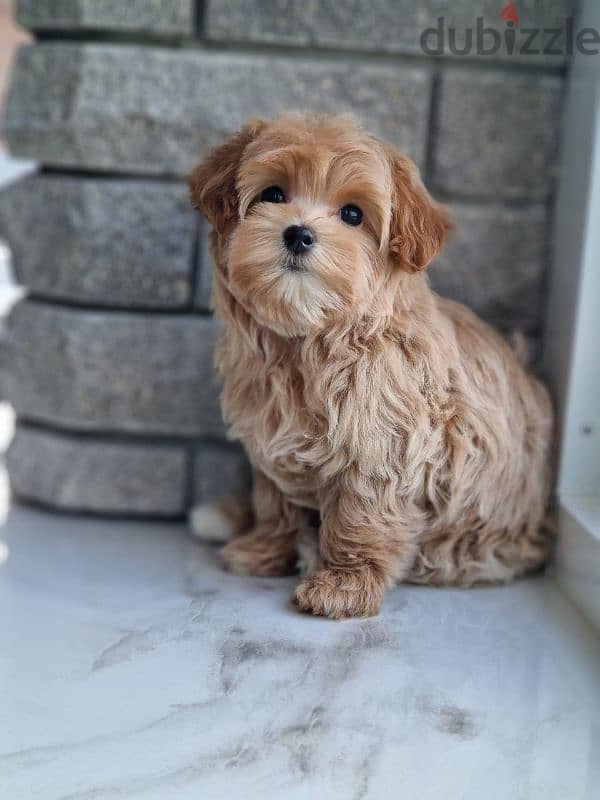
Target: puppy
point(386, 423)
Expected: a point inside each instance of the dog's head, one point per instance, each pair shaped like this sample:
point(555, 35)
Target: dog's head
point(314, 219)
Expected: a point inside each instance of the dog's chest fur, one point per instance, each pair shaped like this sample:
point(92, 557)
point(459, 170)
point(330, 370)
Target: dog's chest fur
point(275, 409)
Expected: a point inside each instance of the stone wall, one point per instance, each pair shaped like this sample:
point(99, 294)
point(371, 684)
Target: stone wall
point(108, 359)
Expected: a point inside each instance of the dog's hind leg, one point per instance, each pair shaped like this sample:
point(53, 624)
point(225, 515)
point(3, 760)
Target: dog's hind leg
point(270, 546)
point(466, 558)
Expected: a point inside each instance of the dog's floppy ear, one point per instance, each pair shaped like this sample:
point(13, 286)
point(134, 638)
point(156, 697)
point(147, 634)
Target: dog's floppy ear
point(212, 182)
point(418, 224)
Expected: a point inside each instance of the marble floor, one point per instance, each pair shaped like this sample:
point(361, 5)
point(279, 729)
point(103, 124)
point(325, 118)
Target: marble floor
point(131, 666)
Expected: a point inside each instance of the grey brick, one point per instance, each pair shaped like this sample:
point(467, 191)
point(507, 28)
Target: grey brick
point(113, 242)
point(204, 268)
point(155, 16)
point(87, 474)
point(497, 133)
point(494, 263)
point(154, 111)
point(89, 370)
point(393, 26)
point(221, 472)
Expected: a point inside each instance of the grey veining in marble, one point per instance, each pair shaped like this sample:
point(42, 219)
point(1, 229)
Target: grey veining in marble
point(131, 666)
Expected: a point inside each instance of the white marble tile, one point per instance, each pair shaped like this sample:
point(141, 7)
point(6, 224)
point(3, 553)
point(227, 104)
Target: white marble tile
point(132, 667)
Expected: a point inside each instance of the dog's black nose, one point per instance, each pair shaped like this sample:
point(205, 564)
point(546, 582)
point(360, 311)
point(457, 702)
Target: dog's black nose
point(298, 239)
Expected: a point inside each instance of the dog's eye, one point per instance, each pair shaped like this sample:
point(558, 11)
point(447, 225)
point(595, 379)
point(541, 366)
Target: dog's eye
point(351, 215)
point(273, 194)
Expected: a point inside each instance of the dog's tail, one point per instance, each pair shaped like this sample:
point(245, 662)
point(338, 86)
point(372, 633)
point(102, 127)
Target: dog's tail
point(219, 522)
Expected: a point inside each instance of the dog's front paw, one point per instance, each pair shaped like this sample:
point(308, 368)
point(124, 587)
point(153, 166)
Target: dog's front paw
point(339, 593)
point(262, 553)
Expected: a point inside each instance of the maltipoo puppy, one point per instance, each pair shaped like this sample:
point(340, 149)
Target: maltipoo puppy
point(393, 435)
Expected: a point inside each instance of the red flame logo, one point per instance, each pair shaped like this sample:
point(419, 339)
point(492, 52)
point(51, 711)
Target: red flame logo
point(509, 13)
